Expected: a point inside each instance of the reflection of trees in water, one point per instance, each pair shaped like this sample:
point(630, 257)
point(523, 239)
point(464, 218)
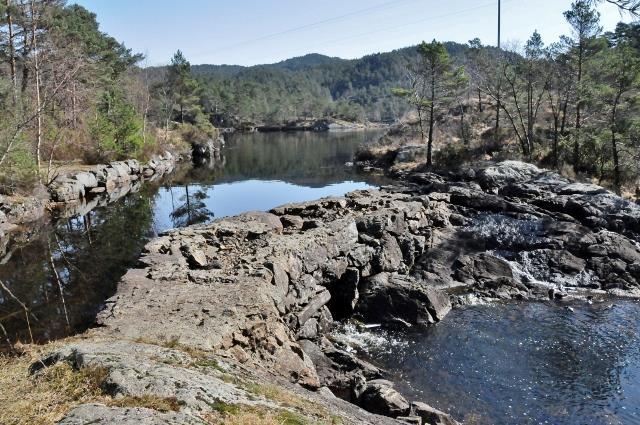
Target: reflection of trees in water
point(304, 158)
point(66, 270)
point(192, 209)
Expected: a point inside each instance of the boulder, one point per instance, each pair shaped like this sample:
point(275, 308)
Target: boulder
point(381, 398)
point(292, 222)
point(411, 153)
point(430, 415)
point(66, 190)
point(481, 268)
point(389, 256)
point(86, 179)
point(412, 420)
point(196, 258)
point(134, 166)
point(313, 307)
point(581, 189)
point(387, 297)
point(506, 172)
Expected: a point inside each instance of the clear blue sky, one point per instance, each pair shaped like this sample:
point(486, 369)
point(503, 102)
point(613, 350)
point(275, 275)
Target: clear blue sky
point(248, 32)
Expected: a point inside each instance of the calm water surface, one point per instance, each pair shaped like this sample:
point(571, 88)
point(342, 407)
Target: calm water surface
point(63, 271)
point(523, 363)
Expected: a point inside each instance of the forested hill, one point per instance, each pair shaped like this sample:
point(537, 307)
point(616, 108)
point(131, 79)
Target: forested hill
point(311, 86)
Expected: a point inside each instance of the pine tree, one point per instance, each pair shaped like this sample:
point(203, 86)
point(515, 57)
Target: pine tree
point(584, 21)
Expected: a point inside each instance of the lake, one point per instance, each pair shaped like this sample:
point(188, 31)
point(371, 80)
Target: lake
point(63, 270)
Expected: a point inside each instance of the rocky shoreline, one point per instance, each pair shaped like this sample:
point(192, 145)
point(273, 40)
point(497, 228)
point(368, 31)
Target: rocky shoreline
point(319, 125)
point(78, 192)
point(217, 312)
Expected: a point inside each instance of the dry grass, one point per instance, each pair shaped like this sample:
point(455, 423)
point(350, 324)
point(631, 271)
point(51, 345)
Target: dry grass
point(233, 414)
point(230, 414)
point(44, 398)
point(174, 344)
point(47, 397)
point(290, 400)
point(161, 404)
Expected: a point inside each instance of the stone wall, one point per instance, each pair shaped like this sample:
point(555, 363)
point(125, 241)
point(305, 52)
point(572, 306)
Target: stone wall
point(107, 178)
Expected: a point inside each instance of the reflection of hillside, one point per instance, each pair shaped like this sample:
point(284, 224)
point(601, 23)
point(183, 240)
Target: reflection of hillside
point(305, 159)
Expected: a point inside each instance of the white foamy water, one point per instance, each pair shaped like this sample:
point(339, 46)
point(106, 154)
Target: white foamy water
point(354, 338)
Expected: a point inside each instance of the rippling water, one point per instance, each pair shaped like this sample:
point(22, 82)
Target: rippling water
point(529, 363)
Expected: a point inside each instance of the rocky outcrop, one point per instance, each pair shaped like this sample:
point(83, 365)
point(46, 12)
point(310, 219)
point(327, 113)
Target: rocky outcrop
point(260, 292)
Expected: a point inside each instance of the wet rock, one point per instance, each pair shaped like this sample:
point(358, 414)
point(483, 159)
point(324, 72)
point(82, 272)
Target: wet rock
point(430, 415)
point(385, 297)
point(566, 262)
point(481, 267)
point(380, 397)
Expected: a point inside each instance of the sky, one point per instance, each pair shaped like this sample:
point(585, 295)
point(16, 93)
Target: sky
point(249, 32)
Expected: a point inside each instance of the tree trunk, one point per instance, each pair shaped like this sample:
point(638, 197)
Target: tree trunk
point(563, 122)
point(479, 100)
point(555, 140)
point(186, 190)
point(498, 106)
point(421, 124)
point(614, 144)
point(530, 113)
point(576, 140)
point(25, 57)
point(12, 53)
point(463, 131)
point(37, 75)
point(431, 119)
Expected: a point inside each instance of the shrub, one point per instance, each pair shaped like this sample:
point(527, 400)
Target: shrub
point(116, 128)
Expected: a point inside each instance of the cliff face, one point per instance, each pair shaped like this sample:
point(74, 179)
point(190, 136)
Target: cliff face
point(217, 313)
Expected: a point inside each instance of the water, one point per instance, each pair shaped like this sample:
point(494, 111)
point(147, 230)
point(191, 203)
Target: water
point(523, 363)
point(62, 271)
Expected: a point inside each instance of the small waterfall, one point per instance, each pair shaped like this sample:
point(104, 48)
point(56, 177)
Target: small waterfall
point(365, 338)
point(507, 233)
point(512, 238)
point(532, 267)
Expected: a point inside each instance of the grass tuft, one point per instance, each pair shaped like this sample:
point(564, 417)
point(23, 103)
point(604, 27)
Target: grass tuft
point(161, 404)
point(233, 414)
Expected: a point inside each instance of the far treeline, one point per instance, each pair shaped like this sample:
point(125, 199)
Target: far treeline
point(71, 92)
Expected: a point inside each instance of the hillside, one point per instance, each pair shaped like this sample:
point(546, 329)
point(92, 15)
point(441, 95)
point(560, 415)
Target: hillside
point(313, 85)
